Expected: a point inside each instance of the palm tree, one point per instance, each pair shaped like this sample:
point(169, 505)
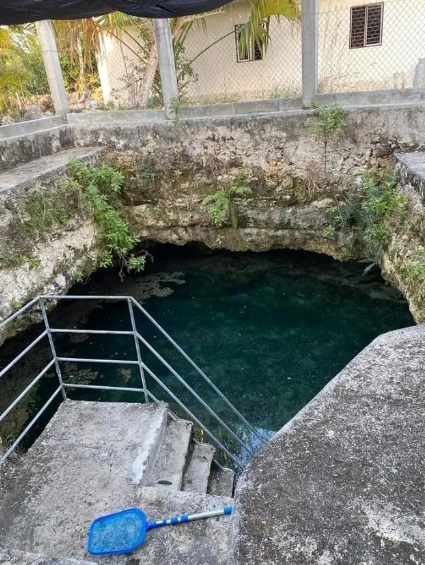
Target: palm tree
point(13, 75)
point(261, 12)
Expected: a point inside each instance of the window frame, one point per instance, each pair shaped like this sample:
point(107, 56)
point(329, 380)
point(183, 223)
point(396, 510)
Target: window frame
point(381, 28)
point(251, 49)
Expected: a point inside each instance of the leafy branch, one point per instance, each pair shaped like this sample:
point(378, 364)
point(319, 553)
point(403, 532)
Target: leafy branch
point(101, 186)
point(328, 123)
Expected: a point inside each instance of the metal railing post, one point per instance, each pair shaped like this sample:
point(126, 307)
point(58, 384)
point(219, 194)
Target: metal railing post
point(137, 345)
point(52, 347)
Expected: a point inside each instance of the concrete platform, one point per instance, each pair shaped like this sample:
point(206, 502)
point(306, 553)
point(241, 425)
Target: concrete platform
point(221, 481)
point(14, 557)
point(204, 542)
point(343, 483)
point(93, 459)
point(26, 174)
point(89, 460)
point(412, 167)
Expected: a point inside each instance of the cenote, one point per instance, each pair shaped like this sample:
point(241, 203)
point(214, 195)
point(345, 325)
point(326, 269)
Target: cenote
point(270, 329)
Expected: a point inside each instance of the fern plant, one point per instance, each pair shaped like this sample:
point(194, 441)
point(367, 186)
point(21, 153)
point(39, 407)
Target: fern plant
point(371, 212)
point(220, 205)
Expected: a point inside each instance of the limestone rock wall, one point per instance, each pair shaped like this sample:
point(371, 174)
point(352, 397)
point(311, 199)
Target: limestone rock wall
point(170, 168)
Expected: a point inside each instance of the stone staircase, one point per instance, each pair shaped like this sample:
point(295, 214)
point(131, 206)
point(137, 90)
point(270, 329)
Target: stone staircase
point(95, 458)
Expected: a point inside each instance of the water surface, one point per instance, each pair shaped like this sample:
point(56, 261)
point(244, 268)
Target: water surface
point(269, 329)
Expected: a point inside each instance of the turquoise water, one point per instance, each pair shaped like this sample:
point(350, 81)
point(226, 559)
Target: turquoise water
point(269, 329)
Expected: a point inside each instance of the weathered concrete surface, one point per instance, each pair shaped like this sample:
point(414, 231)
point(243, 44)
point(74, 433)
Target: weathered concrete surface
point(22, 142)
point(252, 107)
point(413, 170)
point(14, 557)
point(204, 542)
point(198, 469)
point(221, 481)
point(168, 470)
point(28, 127)
point(36, 171)
point(343, 482)
point(90, 459)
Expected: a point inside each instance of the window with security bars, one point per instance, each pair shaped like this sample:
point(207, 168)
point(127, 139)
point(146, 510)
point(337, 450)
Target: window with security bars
point(251, 51)
point(366, 25)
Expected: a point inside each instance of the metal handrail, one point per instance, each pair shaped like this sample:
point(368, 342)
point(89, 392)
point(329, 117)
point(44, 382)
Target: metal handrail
point(138, 338)
point(199, 371)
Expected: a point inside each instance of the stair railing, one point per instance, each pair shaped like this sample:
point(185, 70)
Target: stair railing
point(56, 361)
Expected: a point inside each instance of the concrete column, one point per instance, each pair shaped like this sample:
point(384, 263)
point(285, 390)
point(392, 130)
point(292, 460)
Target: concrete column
point(310, 50)
point(49, 51)
point(167, 67)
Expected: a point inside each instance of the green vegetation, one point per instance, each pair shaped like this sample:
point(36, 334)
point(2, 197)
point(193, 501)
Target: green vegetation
point(49, 210)
point(101, 187)
point(86, 192)
point(38, 216)
point(9, 261)
point(147, 173)
point(328, 123)
point(176, 110)
point(373, 211)
point(220, 205)
point(416, 270)
point(17, 304)
point(329, 232)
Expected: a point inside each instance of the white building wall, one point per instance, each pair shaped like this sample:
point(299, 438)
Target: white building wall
point(219, 77)
point(387, 66)
point(120, 70)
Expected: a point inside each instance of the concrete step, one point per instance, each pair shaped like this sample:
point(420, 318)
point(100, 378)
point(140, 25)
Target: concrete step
point(26, 174)
point(25, 141)
point(198, 470)
point(168, 470)
point(202, 542)
point(15, 557)
point(221, 481)
point(91, 458)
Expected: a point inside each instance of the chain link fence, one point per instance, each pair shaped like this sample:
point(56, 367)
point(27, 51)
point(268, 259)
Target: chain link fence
point(362, 47)
point(225, 69)
point(375, 46)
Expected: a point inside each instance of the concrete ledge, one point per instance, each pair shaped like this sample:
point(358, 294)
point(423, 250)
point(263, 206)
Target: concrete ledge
point(248, 107)
point(135, 117)
point(22, 129)
point(343, 482)
point(29, 173)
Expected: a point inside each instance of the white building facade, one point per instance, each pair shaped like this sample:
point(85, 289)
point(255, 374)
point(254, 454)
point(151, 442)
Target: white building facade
point(362, 46)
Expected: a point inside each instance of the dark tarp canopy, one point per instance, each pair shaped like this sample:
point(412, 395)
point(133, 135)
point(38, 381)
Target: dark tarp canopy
point(24, 11)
